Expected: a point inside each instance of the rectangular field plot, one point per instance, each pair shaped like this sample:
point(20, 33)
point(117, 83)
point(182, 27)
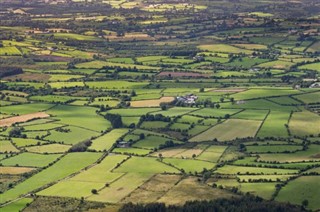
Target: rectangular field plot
point(80, 116)
point(176, 111)
point(311, 154)
point(154, 124)
point(273, 148)
point(229, 130)
point(274, 125)
point(15, 170)
point(189, 165)
point(49, 148)
point(75, 189)
point(304, 123)
point(303, 188)
point(119, 189)
point(152, 142)
point(228, 169)
point(106, 141)
point(273, 178)
point(144, 165)
point(131, 151)
point(72, 135)
point(6, 146)
point(259, 93)
point(213, 153)
point(214, 113)
point(264, 190)
point(309, 97)
point(30, 160)
point(190, 189)
point(25, 108)
point(251, 114)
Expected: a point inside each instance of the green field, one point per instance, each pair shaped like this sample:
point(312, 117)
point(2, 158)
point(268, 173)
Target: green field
point(236, 128)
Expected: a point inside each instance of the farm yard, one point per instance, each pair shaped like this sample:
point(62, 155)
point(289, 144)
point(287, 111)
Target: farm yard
point(108, 103)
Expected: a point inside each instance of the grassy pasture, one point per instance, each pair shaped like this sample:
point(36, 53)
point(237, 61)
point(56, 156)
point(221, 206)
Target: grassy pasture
point(213, 153)
point(154, 124)
point(264, 190)
point(311, 66)
point(69, 164)
point(274, 125)
point(134, 151)
point(224, 48)
point(6, 146)
point(79, 186)
point(105, 142)
point(75, 135)
point(30, 160)
point(25, 108)
point(232, 170)
point(305, 187)
point(311, 154)
point(17, 205)
point(21, 142)
point(300, 120)
point(175, 111)
point(216, 113)
point(309, 97)
point(116, 84)
point(251, 114)
point(264, 92)
point(133, 111)
point(235, 128)
point(144, 165)
point(80, 116)
point(151, 142)
point(189, 165)
point(273, 148)
point(49, 148)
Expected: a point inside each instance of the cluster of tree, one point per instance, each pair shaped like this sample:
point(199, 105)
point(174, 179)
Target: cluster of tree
point(9, 71)
point(16, 132)
point(243, 204)
point(81, 147)
point(157, 117)
point(115, 120)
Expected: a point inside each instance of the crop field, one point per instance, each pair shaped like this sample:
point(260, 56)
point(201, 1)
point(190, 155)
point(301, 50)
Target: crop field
point(108, 103)
point(151, 102)
point(235, 128)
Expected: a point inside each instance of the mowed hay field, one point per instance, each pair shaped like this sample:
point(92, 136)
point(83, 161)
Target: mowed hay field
point(302, 188)
point(22, 118)
point(229, 130)
point(151, 102)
